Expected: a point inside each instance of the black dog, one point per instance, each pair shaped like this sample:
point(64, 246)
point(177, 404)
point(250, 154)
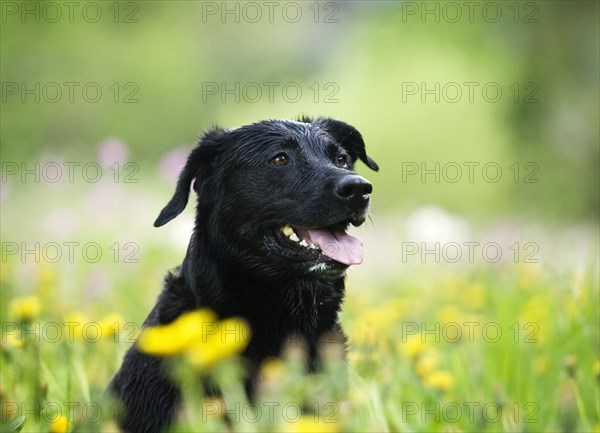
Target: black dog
point(269, 245)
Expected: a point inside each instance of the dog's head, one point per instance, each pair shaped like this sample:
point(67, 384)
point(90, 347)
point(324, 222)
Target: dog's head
point(279, 194)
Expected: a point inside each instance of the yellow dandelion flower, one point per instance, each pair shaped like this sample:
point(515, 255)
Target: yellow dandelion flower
point(530, 276)
point(377, 324)
point(412, 347)
point(110, 324)
point(440, 379)
point(174, 338)
point(273, 370)
point(311, 424)
point(25, 309)
point(74, 324)
point(13, 340)
point(363, 334)
point(426, 364)
point(383, 316)
point(230, 338)
point(536, 310)
point(58, 425)
point(197, 335)
point(450, 314)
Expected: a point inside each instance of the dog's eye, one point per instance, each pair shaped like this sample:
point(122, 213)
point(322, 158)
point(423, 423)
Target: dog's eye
point(280, 160)
point(342, 161)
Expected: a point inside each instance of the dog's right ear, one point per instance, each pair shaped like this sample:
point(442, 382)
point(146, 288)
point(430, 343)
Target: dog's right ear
point(196, 166)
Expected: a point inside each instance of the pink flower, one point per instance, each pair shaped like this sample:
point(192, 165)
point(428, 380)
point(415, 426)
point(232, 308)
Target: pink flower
point(61, 222)
point(172, 163)
point(112, 150)
point(98, 284)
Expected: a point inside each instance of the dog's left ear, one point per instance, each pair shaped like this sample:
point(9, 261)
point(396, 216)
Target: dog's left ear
point(348, 137)
point(196, 166)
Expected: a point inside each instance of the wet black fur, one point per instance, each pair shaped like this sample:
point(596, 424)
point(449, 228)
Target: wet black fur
point(234, 264)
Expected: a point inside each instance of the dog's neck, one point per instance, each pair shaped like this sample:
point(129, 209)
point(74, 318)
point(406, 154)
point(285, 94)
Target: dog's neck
point(311, 304)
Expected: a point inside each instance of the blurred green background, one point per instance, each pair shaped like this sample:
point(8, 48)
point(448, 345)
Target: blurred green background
point(360, 54)
point(432, 86)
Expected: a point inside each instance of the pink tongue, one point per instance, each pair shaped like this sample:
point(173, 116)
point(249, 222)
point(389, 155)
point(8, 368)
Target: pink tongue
point(339, 245)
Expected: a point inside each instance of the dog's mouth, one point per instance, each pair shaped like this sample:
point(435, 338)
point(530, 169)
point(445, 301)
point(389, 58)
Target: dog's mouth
point(313, 244)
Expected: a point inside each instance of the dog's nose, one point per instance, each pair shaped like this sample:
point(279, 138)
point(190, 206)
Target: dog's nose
point(354, 188)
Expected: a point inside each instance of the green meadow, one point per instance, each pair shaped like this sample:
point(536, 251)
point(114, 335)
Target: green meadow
point(477, 306)
point(499, 346)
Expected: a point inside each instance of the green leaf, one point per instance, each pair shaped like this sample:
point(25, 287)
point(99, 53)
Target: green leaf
point(16, 425)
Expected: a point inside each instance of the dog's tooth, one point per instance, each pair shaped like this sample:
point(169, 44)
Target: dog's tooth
point(312, 246)
point(294, 237)
point(303, 243)
point(287, 230)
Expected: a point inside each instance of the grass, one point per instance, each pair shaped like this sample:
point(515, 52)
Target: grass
point(486, 347)
point(492, 349)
